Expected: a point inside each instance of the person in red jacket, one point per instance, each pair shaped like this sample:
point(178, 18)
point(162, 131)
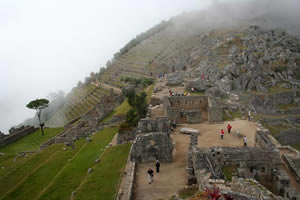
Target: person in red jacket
point(229, 128)
point(222, 134)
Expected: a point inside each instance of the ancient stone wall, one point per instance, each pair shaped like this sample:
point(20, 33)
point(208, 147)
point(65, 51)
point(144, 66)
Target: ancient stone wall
point(249, 162)
point(127, 181)
point(159, 124)
point(190, 168)
point(151, 147)
point(215, 114)
point(15, 134)
point(186, 109)
point(263, 140)
point(189, 102)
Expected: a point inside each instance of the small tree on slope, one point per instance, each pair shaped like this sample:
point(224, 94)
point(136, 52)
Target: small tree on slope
point(38, 105)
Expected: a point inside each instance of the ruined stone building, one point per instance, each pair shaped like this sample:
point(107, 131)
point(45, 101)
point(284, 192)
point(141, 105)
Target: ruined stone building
point(191, 109)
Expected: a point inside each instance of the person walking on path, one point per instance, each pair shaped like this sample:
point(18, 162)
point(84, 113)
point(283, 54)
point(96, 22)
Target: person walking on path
point(222, 134)
point(249, 115)
point(157, 166)
point(150, 175)
point(245, 141)
point(229, 128)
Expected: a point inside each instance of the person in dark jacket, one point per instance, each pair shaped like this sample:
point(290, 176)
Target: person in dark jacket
point(229, 128)
point(157, 166)
point(150, 175)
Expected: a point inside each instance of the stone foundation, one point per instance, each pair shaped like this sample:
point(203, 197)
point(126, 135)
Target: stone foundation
point(152, 146)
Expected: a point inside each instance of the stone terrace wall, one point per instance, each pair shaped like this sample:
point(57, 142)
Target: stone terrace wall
point(152, 146)
point(16, 134)
point(127, 180)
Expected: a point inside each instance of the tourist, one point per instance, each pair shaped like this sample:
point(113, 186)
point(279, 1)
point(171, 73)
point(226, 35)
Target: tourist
point(229, 128)
point(193, 90)
point(174, 124)
point(157, 166)
point(245, 141)
point(222, 134)
point(150, 175)
point(249, 115)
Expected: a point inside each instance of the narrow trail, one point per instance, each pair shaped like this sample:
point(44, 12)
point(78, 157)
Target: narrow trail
point(172, 176)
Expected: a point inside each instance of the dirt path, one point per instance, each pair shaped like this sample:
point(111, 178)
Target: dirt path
point(210, 133)
point(172, 176)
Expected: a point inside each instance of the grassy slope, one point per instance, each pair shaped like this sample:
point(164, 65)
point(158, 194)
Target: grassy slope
point(35, 182)
point(103, 182)
point(74, 171)
point(31, 142)
point(120, 110)
point(17, 172)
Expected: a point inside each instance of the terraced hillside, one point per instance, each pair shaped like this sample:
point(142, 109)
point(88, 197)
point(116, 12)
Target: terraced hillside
point(56, 173)
point(78, 101)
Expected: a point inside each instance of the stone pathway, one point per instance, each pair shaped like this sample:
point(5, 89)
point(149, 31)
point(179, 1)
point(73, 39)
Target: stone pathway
point(172, 176)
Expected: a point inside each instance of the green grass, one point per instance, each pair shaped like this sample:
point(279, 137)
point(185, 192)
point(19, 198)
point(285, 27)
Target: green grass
point(120, 110)
point(227, 171)
point(195, 93)
point(277, 89)
point(41, 177)
point(296, 146)
point(16, 172)
point(71, 176)
point(234, 115)
point(287, 106)
point(103, 182)
point(149, 92)
point(31, 142)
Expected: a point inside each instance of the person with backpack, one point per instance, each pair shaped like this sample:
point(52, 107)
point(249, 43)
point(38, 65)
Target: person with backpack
point(150, 175)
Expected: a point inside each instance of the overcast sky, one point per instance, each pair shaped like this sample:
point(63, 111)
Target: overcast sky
point(50, 45)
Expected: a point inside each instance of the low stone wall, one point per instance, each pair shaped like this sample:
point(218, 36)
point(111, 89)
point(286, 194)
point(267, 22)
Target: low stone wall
point(253, 189)
point(127, 181)
point(15, 135)
point(293, 164)
point(152, 146)
point(190, 168)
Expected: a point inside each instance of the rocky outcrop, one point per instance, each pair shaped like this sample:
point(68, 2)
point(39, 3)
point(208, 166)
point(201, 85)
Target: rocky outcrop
point(175, 78)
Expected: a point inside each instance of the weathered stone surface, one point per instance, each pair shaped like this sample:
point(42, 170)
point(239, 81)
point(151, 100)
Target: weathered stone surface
point(189, 131)
point(289, 137)
point(175, 78)
point(151, 147)
point(215, 114)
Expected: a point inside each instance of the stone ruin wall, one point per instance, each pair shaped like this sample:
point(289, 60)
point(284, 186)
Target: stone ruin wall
point(152, 146)
point(17, 133)
point(189, 109)
point(146, 125)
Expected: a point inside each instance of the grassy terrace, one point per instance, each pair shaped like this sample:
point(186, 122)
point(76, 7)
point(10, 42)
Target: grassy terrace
point(31, 142)
point(103, 183)
point(55, 173)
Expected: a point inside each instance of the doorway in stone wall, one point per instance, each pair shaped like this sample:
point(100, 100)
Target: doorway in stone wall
point(182, 119)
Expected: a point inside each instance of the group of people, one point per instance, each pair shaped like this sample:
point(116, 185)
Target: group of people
point(171, 93)
point(229, 127)
point(150, 172)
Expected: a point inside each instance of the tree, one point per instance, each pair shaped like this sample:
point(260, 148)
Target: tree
point(38, 105)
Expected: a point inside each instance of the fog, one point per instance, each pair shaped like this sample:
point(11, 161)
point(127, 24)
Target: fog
point(51, 45)
point(47, 46)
